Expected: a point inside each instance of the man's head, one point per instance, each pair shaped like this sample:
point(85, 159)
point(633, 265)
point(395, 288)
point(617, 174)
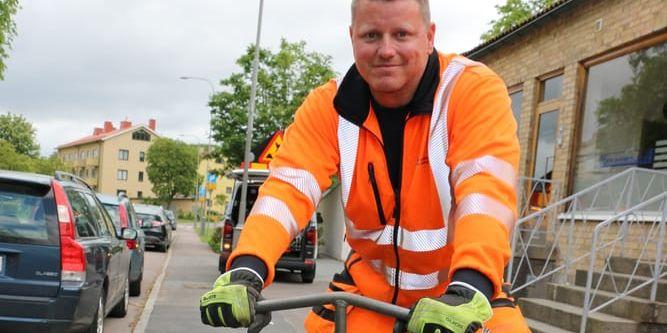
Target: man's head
point(392, 40)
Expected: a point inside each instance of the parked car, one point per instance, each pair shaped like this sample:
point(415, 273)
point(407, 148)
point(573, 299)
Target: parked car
point(122, 213)
point(155, 225)
point(172, 218)
point(298, 257)
point(63, 265)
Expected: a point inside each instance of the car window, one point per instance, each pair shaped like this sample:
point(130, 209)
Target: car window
point(253, 191)
point(131, 215)
point(114, 213)
point(27, 214)
point(101, 218)
point(84, 219)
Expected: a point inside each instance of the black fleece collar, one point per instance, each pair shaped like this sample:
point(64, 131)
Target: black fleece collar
point(353, 99)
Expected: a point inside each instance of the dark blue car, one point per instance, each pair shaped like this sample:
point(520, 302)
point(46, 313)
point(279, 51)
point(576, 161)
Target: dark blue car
point(122, 212)
point(63, 266)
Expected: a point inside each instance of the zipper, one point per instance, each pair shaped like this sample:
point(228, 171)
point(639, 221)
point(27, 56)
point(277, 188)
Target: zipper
point(397, 223)
point(376, 193)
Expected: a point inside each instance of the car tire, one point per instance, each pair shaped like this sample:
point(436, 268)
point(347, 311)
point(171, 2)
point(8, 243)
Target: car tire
point(222, 265)
point(135, 286)
point(308, 276)
point(97, 326)
point(120, 310)
point(162, 248)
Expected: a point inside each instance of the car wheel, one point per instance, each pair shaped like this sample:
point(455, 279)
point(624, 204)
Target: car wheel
point(307, 276)
point(97, 326)
point(135, 286)
point(120, 310)
point(162, 248)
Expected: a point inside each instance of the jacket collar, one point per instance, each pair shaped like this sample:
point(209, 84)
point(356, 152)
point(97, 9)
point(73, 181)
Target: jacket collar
point(353, 99)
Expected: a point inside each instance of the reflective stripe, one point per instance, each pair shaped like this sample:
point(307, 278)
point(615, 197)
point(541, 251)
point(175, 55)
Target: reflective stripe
point(302, 180)
point(407, 280)
point(277, 210)
point(438, 139)
point(492, 165)
point(348, 141)
point(481, 204)
point(415, 241)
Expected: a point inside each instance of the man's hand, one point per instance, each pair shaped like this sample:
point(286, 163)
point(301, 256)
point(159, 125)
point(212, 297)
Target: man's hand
point(231, 302)
point(459, 310)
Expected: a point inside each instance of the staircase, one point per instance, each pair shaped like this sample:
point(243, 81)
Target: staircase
point(561, 311)
point(596, 261)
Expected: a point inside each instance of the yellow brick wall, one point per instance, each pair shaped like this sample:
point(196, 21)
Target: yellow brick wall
point(562, 44)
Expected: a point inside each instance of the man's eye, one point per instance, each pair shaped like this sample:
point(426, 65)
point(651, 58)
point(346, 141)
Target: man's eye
point(371, 35)
point(401, 34)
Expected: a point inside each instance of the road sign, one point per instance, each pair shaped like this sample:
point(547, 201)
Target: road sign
point(272, 148)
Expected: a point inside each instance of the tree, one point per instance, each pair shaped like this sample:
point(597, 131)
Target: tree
point(284, 80)
point(172, 168)
point(7, 30)
point(12, 160)
point(512, 13)
point(20, 133)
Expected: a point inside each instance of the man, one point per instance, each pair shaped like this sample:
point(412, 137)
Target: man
point(425, 148)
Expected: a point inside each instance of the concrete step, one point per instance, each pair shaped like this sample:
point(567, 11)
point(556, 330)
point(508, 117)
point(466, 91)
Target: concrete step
point(540, 327)
point(621, 281)
point(627, 266)
point(629, 307)
point(568, 317)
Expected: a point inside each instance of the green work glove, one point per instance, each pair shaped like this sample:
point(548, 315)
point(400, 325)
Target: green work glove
point(231, 302)
point(462, 309)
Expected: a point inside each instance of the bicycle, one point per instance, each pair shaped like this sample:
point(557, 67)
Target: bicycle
point(340, 300)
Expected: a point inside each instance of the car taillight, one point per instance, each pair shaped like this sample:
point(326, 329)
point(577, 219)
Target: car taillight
point(72, 254)
point(311, 236)
point(227, 236)
point(156, 224)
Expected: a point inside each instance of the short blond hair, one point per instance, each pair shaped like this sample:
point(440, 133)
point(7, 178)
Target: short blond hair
point(423, 6)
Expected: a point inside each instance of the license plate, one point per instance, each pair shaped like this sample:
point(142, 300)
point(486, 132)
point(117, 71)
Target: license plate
point(2, 265)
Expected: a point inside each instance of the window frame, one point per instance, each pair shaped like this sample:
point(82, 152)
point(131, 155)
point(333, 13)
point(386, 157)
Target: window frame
point(120, 172)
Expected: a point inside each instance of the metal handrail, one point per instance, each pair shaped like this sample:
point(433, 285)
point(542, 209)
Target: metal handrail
point(602, 244)
point(556, 223)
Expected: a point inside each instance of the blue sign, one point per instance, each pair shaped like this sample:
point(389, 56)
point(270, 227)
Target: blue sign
point(202, 191)
point(212, 178)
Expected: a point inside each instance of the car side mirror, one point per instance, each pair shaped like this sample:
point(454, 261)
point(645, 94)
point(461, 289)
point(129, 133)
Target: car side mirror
point(128, 234)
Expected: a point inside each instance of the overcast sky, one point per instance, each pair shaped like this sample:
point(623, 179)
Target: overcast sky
point(77, 63)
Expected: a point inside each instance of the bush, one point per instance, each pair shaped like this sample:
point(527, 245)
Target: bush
point(186, 215)
point(215, 238)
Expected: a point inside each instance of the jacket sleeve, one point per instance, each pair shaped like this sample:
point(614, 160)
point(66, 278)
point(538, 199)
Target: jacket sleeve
point(300, 172)
point(483, 157)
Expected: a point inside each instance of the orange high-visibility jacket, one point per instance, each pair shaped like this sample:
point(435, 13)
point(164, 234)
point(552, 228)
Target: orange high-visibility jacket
point(457, 199)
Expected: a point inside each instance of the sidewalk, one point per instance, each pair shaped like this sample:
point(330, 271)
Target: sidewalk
point(192, 270)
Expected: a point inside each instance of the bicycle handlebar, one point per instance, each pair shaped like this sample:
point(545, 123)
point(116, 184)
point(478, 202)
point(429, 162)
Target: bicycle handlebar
point(341, 300)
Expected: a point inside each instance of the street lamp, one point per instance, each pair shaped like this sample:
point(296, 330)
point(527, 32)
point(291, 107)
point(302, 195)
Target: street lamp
point(199, 140)
point(248, 139)
point(208, 147)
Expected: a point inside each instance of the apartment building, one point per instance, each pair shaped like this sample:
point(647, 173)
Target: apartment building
point(113, 159)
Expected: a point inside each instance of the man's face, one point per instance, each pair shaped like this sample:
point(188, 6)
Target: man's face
point(391, 44)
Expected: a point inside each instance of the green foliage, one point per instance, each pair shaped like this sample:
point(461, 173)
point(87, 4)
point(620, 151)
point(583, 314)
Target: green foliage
point(172, 168)
point(8, 9)
point(185, 215)
point(512, 13)
point(20, 133)
point(284, 80)
point(12, 160)
point(215, 238)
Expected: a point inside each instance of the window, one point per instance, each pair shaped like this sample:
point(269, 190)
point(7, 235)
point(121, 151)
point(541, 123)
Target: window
point(624, 116)
point(228, 190)
point(123, 155)
point(94, 153)
point(142, 156)
point(546, 145)
point(84, 218)
point(140, 194)
point(93, 172)
point(141, 176)
point(121, 174)
point(119, 191)
point(516, 98)
point(141, 135)
point(551, 88)
point(27, 214)
point(100, 219)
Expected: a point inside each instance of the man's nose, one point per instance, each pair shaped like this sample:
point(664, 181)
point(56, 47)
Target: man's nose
point(387, 48)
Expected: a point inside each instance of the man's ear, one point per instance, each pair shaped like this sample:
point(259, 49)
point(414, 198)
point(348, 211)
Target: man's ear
point(430, 35)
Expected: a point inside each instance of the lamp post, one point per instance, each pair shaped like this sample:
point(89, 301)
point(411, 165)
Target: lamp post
point(208, 146)
point(199, 140)
point(248, 139)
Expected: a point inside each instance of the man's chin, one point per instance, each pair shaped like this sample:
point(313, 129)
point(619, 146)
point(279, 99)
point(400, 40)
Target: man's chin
point(385, 87)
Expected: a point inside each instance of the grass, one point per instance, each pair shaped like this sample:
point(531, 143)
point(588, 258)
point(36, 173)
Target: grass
point(208, 237)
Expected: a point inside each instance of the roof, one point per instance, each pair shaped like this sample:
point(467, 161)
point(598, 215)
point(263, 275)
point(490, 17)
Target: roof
point(529, 23)
point(26, 177)
point(105, 136)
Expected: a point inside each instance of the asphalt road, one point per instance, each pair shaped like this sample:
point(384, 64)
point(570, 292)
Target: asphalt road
point(191, 271)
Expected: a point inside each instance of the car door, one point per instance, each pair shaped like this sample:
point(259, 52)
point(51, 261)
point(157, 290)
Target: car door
point(115, 256)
